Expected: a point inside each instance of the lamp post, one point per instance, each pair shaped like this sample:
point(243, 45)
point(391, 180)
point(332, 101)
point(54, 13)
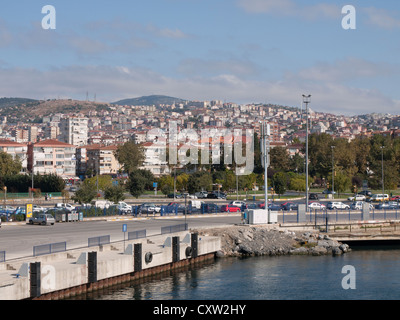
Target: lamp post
point(306, 100)
point(383, 185)
point(265, 132)
point(333, 174)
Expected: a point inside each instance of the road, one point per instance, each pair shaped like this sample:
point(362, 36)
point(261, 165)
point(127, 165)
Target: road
point(19, 239)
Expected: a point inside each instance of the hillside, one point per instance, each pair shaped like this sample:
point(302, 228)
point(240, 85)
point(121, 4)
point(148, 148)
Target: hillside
point(21, 109)
point(149, 101)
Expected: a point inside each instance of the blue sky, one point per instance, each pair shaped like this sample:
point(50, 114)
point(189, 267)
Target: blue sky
point(239, 51)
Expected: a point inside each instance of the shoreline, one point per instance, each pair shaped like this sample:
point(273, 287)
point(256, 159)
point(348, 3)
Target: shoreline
point(264, 240)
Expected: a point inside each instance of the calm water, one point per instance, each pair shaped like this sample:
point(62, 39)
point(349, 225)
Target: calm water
point(270, 278)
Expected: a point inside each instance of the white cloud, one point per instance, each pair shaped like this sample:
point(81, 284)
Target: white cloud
point(382, 18)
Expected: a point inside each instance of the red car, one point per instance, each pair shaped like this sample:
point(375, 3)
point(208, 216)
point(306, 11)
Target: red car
point(395, 198)
point(229, 208)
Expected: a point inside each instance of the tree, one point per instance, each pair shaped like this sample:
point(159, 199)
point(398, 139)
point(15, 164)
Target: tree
point(130, 155)
point(104, 182)
point(280, 182)
point(85, 194)
point(8, 165)
point(136, 183)
point(115, 193)
point(199, 181)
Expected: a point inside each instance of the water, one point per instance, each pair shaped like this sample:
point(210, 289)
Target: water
point(377, 277)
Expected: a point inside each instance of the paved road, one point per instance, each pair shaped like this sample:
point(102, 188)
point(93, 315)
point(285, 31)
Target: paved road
point(19, 239)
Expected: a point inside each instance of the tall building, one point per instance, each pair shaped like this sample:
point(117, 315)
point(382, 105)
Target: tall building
point(100, 159)
point(74, 131)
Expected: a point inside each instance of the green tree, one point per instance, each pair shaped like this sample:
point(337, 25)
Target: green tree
point(85, 194)
point(280, 182)
point(115, 193)
point(104, 182)
point(8, 165)
point(199, 181)
point(137, 183)
point(130, 155)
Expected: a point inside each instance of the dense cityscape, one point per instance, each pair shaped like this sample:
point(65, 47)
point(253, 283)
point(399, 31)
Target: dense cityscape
point(85, 139)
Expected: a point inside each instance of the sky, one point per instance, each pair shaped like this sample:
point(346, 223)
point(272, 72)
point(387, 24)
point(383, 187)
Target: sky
point(241, 51)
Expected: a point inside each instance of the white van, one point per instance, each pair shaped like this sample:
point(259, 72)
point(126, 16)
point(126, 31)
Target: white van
point(380, 197)
point(67, 206)
point(101, 204)
point(195, 204)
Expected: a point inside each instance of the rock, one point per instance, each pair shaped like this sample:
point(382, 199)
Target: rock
point(336, 251)
point(219, 254)
point(318, 251)
point(301, 250)
point(344, 247)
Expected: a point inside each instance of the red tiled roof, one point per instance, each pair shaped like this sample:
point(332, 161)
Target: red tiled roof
point(9, 143)
point(52, 143)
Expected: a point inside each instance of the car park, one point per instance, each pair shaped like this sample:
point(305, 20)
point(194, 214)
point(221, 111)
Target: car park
point(337, 205)
point(43, 219)
point(229, 208)
point(357, 197)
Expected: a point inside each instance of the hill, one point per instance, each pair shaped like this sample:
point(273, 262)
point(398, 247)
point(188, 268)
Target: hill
point(149, 101)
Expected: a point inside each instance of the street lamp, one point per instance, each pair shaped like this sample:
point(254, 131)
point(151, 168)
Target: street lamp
point(333, 174)
point(306, 100)
point(383, 185)
point(265, 132)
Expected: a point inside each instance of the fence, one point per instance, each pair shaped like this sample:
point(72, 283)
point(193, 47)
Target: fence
point(49, 248)
point(97, 241)
point(136, 234)
point(175, 228)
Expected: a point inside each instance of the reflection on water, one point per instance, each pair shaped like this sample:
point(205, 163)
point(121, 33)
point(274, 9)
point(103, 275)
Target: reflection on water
point(269, 278)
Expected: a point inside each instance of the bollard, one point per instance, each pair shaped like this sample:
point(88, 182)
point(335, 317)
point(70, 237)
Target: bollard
point(92, 267)
point(195, 244)
point(137, 257)
point(175, 249)
point(35, 279)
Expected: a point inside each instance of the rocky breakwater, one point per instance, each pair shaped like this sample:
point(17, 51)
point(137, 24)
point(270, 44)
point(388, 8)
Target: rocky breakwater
point(258, 241)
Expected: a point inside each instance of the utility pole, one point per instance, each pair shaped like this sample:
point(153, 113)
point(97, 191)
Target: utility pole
point(306, 100)
point(265, 131)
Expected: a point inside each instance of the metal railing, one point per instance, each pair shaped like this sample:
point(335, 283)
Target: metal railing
point(98, 241)
point(49, 248)
point(175, 228)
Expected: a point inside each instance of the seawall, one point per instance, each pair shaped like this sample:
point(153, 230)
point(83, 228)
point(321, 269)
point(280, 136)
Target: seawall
point(73, 272)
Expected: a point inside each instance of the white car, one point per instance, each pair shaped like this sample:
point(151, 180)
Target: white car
point(359, 204)
point(36, 208)
point(238, 203)
point(316, 205)
point(357, 197)
point(337, 205)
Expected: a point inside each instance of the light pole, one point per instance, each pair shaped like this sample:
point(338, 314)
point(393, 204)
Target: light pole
point(333, 174)
point(306, 100)
point(383, 185)
point(265, 132)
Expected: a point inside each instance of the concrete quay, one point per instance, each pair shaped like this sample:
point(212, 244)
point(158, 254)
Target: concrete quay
point(69, 273)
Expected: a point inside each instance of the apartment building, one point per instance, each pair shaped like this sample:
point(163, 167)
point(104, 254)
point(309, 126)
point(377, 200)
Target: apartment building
point(16, 149)
point(101, 159)
point(74, 131)
point(52, 157)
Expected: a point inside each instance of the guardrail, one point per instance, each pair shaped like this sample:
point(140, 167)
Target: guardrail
point(175, 228)
point(133, 235)
point(98, 241)
point(49, 248)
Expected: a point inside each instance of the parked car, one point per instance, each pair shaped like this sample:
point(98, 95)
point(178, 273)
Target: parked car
point(67, 206)
point(43, 219)
point(326, 191)
point(289, 206)
point(209, 208)
point(357, 205)
point(388, 205)
point(122, 207)
point(337, 205)
point(395, 198)
point(36, 208)
point(313, 196)
point(216, 195)
point(229, 208)
point(316, 205)
point(238, 203)
point(149, 208)
point(366, 193)
point(357, 197)
point(274, 207)
point(380, 197)
point(6, 209)
point(201, 194)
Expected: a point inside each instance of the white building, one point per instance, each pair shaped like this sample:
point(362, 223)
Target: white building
point(74, 131)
